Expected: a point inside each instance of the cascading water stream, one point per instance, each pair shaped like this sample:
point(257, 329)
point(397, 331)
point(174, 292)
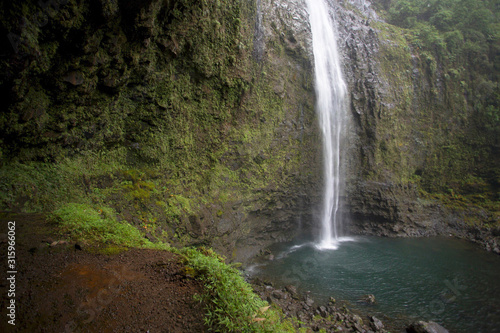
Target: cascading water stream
point(331, 93)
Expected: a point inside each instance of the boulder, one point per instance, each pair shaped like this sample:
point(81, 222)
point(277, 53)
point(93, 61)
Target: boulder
point(292, 290)
point(426, 327)
point(370, 299)
point(376, 324)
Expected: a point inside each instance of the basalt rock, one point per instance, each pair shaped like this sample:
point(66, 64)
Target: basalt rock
point(391, 145)
point(330, 317)
point(426, 327)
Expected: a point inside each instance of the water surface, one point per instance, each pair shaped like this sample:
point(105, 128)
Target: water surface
point(449, 281)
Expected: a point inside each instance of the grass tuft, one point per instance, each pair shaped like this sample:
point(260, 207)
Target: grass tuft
point(232, 306)
point(84, 222)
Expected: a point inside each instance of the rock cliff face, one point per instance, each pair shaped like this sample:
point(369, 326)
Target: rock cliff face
point(416, 156)
point(414, 132)
point(195, 121)
point(192, 120)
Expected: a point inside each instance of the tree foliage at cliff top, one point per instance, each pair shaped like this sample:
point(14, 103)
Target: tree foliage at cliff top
point(458, 41)
point(462, 33)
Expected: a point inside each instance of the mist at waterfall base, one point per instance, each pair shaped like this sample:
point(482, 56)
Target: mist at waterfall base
point(449, 281)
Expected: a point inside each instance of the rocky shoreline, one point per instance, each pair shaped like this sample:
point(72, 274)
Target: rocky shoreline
point(335, 316)
point(486, 238)
point(332, 317)
point(391, 210)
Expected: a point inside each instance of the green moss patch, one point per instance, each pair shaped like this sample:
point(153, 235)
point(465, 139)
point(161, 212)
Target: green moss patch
point(97, 225)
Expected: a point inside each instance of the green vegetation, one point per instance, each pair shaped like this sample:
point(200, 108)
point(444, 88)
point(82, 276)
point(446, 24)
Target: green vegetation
point(232, 306)
point(146, 123)
point(159, 112)
point(82, 221)
point(463, 35)
point(445, 96)
point(98, 226)
point(460, 33)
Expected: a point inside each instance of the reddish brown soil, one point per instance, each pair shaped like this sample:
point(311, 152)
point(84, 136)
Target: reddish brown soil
point(63, 289)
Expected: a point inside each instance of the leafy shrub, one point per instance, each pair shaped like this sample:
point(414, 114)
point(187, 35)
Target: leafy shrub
point(232, 306)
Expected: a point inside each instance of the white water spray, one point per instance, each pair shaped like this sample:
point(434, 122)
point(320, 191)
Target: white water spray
point(331, 93)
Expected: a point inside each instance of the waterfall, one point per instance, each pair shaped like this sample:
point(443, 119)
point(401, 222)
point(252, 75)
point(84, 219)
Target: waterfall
point(331, 93)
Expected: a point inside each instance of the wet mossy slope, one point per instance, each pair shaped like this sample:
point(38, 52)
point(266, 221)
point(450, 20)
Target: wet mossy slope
point(159, 113)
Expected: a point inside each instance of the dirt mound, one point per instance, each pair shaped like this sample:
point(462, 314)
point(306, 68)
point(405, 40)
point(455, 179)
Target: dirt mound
point(62, 288)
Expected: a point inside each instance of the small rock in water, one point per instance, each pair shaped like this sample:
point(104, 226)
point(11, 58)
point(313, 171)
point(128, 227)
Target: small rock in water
point(291, 289)
point(376, 324)
point(426, 327)
point(370, 299)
